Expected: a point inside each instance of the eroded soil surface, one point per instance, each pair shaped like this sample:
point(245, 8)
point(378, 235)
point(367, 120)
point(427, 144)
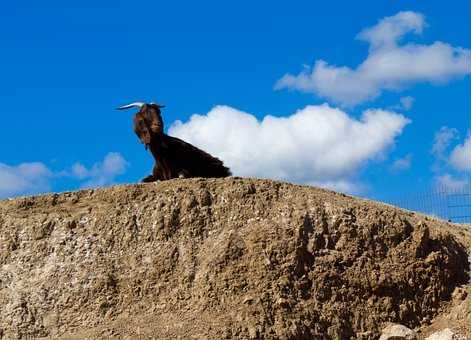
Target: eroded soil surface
point(225, 259)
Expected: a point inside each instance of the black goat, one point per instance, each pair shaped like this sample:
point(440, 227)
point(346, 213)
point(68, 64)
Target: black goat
point(174, 158)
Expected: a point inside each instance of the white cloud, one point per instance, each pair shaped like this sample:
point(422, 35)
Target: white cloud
point(101, 173)
point(402, 163)
point(26, 178)
point(388, 31)
point(448, 182)
point(389, 66)
point(318, 144)
point(340, 185)
point(460, 157)
point(36, 177)
point(407, 102)
point(442, 141)
point(452, 164)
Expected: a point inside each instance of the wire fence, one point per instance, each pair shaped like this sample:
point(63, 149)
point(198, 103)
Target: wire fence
point(449, 204)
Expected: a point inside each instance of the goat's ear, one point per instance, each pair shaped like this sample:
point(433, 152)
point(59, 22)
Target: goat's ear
point(142, 130)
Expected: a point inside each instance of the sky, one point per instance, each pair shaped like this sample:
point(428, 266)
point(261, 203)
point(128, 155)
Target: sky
point(366, 97)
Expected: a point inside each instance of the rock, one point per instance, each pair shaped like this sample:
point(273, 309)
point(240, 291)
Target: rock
point(459, 294)
point(365, 335)
point(446, 334)
point(398, 332)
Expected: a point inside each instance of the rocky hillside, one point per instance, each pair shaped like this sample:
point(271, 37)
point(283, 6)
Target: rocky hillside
point(225, 259)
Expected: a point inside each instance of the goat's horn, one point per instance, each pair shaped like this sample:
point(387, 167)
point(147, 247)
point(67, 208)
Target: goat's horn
point(158, 105)
point(136, 104)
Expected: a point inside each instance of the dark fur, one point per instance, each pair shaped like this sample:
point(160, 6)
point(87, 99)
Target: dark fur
point(174, 157)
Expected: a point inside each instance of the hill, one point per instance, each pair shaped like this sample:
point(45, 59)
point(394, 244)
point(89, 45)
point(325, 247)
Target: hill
point(225, 258)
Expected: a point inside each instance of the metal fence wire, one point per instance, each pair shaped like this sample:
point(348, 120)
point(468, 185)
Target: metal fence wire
point(449, 204)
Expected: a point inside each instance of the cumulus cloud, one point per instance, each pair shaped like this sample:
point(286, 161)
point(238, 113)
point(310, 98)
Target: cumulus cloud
point(402, 164)
point(442, 141)
point(316, 145)
point(26, 178)
point(460, 157)
point(101, 173)
point(449, 182)
point(388, 66)
point(340, 185)
point(36, 177)
point(453, 165)
point(388, 31)
point(407, 102)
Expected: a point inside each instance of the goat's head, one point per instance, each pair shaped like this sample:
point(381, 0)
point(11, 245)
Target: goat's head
point(147, 122)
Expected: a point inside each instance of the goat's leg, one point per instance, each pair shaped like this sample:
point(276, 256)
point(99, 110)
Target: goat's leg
point(158, 172)
point(157, 175)
point(149, 179)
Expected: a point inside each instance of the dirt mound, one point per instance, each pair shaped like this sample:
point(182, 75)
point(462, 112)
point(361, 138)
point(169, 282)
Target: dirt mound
point(228, 258)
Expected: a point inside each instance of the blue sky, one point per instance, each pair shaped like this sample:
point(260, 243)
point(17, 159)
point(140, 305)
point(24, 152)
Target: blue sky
point(65, 66)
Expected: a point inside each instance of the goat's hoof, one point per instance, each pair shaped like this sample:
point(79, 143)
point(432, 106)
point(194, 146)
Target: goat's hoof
point(148, 179)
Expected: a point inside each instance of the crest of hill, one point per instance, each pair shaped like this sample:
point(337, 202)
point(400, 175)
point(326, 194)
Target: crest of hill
point(221, 258)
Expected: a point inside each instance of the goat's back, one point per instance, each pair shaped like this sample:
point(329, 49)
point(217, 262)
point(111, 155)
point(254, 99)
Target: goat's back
point(188, 157)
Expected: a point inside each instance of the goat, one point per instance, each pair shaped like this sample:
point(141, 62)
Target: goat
point(174, 158)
